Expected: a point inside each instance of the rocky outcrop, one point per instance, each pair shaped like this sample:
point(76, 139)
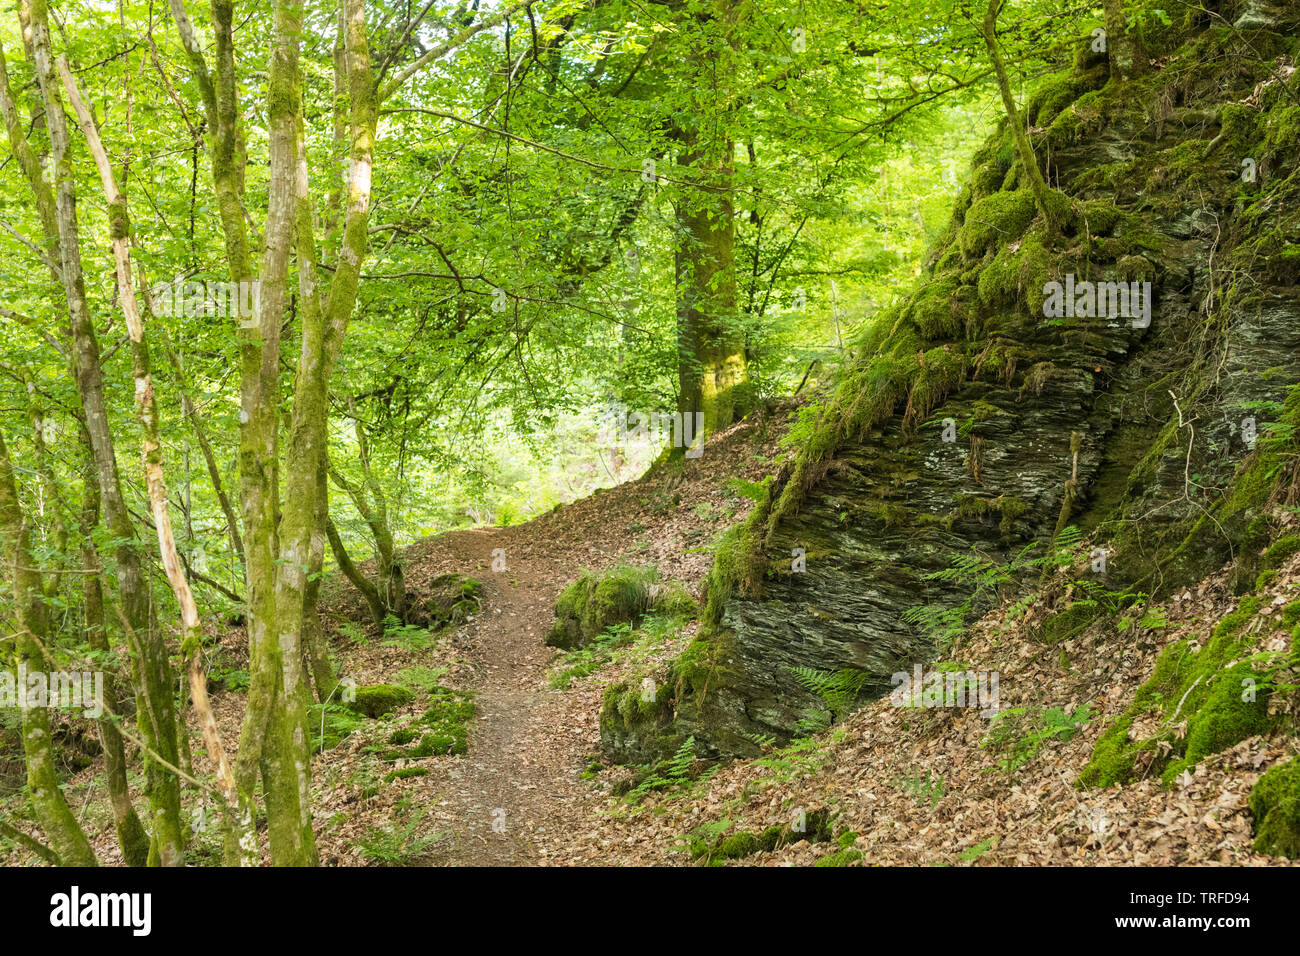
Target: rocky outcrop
point(981, 415)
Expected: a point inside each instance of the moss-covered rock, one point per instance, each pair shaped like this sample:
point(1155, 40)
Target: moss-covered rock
point(636, 720)
point(1201, 699)
point(815, 827)
point(999, 218)
point(1071, 622)
point(451, 600)
point(376, 700)
point(405, 773)
point(448, 717)
point(597, 600)
point(1275, 807)
point(1161, 474)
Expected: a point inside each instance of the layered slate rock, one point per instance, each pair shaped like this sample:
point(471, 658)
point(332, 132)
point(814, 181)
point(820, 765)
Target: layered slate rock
point(1095, 421)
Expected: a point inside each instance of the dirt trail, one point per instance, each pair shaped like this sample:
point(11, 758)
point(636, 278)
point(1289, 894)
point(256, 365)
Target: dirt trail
point(521, 762)
point(518, 796)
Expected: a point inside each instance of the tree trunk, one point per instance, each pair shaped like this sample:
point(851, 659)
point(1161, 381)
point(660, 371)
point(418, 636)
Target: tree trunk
point(237, 811)
point(30, 631)
point(710, 338)
point(155, 685)
point(1124, 50)
point(131, 835)
point(1037, 184)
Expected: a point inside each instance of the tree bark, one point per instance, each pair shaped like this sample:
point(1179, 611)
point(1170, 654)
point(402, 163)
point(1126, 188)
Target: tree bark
point(131, 835)
point(1026, 152)
point(237, 812)
point(30, 630)
point(152, 669)
point(710, 338)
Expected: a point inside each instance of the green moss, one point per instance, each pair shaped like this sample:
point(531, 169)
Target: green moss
point(402, 736)
point(1000, 218)
point(700, 666)
point(1054, 95)
point(635, 724)
point(1275, 807)
point(1280, 550)
point(840, 858)
point(452, 599)
point(738, 564)
point(1227, 715)
point(986, 178)
point(940, 371)
point(119, 220)
point(1239, 132)
point(941, 308)
point(448, 718)
point(1069, 623)
point(1017, 273)
point(1282, 130)
point(737, 845)
point(1204, 688)
point(1007, 508)
point(405, 773)
point(597, 600)
point(1100, 216)
point(816, 829)
point(1289, 616)
point(376, 700)
point(675, 602)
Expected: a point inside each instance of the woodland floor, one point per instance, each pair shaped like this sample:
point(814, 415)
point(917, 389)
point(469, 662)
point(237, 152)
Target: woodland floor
point(916, 787)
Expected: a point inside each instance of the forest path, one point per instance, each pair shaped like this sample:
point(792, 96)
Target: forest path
point(518, 796)
point(500, 803)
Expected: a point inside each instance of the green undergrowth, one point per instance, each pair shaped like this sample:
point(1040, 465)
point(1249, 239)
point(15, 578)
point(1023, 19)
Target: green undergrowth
point(443, 729)
point(378, 700)
point(1019, 734)
point(618, 595)
point(707, 845)
point(676, 776)
point(1203, 697)
point(402, 841)
point(1275, 807)
point(617, 642)
point(331, 723)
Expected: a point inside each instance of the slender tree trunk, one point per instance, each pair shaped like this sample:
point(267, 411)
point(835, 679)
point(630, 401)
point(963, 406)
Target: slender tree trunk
point(30, 632)
point(378, 610)
point(710, 338)
point(209, 458)
point(1124, 50)
point(152, 669)
point(131, 836)
point(237, 811)
point(1026, 152)
point(317, 648)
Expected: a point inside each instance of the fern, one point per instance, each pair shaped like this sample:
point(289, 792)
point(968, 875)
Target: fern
point(838, 690)
point(397, 845)
point(671, 774)
point(1021, 736)
point(409, 637)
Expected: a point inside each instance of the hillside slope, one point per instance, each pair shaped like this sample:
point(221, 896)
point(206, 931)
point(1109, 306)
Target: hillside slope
point(979, 416)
